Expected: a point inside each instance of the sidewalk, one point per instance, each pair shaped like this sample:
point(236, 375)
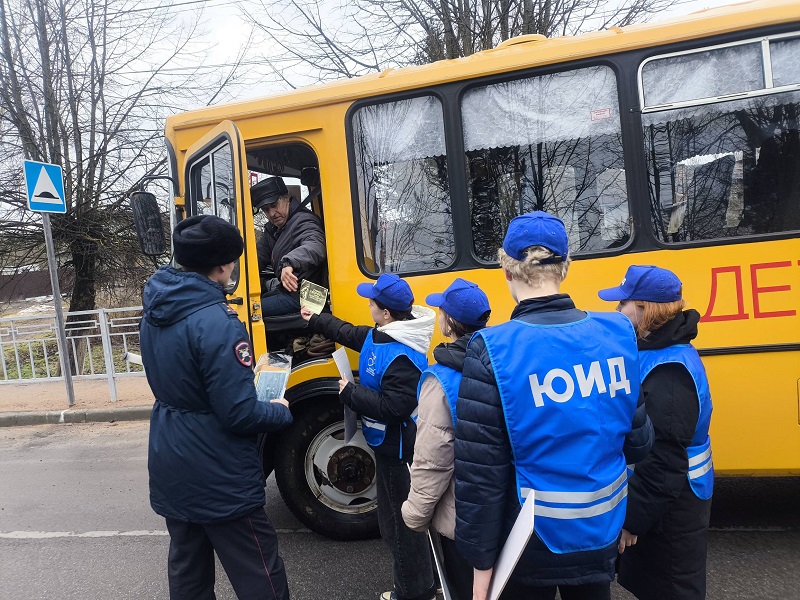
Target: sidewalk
point(46, 402)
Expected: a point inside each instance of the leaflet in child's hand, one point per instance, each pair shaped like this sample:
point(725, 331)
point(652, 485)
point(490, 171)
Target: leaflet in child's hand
point(312, 296)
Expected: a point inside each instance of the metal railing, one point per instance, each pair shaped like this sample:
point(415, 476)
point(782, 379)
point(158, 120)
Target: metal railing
point(97, 344)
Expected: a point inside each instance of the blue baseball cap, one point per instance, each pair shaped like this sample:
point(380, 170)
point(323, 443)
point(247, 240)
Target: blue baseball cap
point(536, 229)
point(389, 290)
point(462, 300)
point(645, 283)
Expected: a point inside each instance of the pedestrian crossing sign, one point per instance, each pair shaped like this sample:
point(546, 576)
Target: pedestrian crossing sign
point(45, 187)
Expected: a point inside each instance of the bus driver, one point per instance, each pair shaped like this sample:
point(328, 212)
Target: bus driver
point(292, 246)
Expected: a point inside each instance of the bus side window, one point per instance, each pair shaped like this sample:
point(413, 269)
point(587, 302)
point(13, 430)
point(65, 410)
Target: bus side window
point(551, 143)
point(722, 168)
point(405, 214)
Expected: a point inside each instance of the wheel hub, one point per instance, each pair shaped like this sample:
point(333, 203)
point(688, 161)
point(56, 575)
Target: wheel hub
point(351, 470)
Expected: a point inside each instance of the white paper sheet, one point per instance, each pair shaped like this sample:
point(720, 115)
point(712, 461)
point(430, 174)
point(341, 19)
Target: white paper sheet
point(512, 550)
point(346, 373)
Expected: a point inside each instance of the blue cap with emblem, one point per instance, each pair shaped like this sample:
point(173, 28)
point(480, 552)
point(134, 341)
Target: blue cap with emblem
point(537, 228)
point(390, 290)
point(464, 301)
point(645, 283)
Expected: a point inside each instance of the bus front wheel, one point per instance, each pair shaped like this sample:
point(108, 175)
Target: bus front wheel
point(327, 484)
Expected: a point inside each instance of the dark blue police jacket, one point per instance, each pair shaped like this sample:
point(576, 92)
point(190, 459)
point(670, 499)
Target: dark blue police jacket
point(203, 459)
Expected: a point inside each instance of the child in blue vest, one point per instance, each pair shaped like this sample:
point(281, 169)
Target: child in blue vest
point(669, 494)
point(463, 310)
point(393, 356)
point(548, 405)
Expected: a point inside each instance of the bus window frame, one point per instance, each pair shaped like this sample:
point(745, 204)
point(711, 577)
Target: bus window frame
point(352, 166)
point(207, 152)
point(201, 154)
point(450, 94)
point(767, 90)
point(622, 107)
point(783, 31)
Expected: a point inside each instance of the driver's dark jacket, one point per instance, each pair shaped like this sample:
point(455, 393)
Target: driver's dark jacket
point(300, 243)
point(203, 460)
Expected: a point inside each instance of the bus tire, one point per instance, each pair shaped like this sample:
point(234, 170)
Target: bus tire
point(328, 486)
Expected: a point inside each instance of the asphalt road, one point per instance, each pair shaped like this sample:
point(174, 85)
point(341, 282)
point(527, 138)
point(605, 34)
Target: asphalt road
point(75, 523)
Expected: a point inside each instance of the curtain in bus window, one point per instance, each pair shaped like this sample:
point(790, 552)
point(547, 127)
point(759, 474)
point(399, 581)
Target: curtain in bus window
point(725, 170)
point(404, 197)
point(707, 74)
point(541, 143)
point(785, 57)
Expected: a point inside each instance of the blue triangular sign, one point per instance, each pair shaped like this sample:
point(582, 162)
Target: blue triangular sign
point(45, 187)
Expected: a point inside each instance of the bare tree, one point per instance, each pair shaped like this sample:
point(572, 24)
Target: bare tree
point(331, 40)
point(86, 85)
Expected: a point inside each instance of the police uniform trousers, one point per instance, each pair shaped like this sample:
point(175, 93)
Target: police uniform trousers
point(247, 547)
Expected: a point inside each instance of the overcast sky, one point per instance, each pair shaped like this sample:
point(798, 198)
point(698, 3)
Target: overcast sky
point(223, 25)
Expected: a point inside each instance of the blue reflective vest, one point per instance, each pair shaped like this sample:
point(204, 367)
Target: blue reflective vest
point(569, 393)
point(449, 379)
point(701, 467)
point(372, 364)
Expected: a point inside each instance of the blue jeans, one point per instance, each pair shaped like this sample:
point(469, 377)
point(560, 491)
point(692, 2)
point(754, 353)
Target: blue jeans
point(411, 553)
point(278, 303)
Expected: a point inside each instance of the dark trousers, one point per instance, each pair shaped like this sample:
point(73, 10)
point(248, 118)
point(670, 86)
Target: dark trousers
point(247, 548)
point(278, 302)
point(588, 591)
point(456, 570)
point(411, 553)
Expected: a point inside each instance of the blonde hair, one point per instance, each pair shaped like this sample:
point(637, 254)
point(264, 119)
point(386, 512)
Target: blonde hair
point(656, 314)
point(530, 270)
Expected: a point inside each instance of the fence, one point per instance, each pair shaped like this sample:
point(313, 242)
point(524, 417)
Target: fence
point(97, 345)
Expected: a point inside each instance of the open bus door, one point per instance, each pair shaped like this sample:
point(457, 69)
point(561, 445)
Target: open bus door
point(217, 183)
point(327, 484)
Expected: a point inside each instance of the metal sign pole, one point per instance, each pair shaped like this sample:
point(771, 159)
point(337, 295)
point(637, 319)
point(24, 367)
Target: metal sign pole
point(63, 353)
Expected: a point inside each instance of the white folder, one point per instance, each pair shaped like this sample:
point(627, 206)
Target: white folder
point(512, 550)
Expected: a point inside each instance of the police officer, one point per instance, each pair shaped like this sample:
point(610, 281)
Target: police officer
point(292, 247)
point(549, 402)
point(205, 471)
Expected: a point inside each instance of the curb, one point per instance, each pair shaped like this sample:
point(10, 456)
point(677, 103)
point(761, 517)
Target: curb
point(92, 415)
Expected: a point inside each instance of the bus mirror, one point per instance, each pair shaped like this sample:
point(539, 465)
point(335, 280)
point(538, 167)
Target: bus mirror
point(149, 227)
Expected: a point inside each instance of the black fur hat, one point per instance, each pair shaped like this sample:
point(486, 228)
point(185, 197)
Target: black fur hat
point(206, 241)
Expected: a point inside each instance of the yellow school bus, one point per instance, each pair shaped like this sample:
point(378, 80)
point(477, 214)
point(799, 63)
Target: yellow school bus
point(675, 144)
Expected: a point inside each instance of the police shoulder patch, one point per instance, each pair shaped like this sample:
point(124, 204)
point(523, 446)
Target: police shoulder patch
point(243, 354)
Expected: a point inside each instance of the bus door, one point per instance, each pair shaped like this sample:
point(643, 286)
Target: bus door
point(216, 183)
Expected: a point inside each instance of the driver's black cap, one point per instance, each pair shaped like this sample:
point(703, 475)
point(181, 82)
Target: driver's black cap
point(267, 192)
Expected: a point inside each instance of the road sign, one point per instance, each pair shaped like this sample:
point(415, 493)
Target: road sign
point(45, 186)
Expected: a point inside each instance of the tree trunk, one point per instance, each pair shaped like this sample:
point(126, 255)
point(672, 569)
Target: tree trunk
point(84, 293)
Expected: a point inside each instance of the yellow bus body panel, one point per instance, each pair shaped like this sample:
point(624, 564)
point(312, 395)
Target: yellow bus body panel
point(754, 307)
